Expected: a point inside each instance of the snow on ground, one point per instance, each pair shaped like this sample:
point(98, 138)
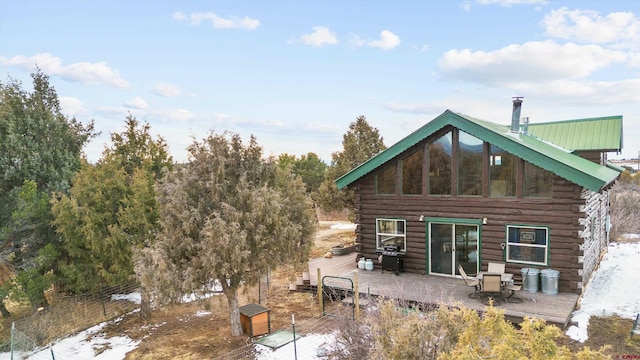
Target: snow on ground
point(306, 348)
point(613, 289)
point(343, 226)
point(133, 297)
point(84, 345)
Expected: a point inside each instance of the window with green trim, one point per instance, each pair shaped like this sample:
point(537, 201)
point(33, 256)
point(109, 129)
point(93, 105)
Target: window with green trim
point(502, 173)
point(386, 180)
point(538, 182)
point(412, 173)
point(469, 164)
point(391, 232)
point(440, 165)
point(527, 244)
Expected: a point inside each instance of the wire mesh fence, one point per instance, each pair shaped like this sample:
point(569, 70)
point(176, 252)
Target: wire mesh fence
point(67, 315)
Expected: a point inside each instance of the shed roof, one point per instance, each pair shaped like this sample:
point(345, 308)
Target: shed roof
point(539, 152)
point(600, 134)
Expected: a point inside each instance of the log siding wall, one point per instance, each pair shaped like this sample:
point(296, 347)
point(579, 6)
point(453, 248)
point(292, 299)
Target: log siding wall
point(565, 214)
point(594, 234)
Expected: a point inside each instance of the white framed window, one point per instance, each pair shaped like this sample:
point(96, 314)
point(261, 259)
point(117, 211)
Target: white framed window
point(527, 244)
point(391, 232)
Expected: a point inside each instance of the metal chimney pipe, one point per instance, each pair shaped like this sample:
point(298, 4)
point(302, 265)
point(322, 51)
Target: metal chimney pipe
point(515, 117)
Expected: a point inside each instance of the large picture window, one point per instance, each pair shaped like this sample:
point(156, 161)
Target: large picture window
point(386, 180)
point(469, 164)
point(412, 173)
point(528, 244)
point(391, 232)
point(440, 166)
point(502, 173)
point(537, 182)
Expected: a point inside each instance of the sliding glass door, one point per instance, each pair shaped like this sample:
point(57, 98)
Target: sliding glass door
point(452, 244)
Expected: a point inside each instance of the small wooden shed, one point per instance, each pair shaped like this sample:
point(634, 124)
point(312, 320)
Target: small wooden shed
point(255, 319)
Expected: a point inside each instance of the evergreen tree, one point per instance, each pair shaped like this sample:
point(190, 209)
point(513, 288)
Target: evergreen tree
point(40, 150)
point(227, 217)
point(359, 144)
point(111, 210)
point(309, 167)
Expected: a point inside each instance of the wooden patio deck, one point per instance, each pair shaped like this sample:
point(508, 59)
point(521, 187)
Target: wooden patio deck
point(431, 289)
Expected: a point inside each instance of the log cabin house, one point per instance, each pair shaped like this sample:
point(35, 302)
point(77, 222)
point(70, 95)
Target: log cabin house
point(460, 190)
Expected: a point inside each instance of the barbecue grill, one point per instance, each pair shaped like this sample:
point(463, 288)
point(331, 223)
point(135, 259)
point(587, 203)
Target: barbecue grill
point(391, 258)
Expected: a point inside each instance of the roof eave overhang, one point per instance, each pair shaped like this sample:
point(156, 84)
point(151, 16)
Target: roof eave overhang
point(513, 143)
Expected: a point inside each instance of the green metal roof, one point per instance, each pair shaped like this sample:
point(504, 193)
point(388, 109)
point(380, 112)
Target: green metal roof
point(600, 134)
point(536, 151)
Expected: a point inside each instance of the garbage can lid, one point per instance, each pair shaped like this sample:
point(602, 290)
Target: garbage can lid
point(549, 272)
point(533, 271)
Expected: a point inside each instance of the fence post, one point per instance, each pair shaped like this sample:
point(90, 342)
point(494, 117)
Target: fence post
point(104, 309)
point(356, 297)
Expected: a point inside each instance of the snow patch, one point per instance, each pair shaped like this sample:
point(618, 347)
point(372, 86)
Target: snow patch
point(134, 297)
point(612, 290)
point(343, 226)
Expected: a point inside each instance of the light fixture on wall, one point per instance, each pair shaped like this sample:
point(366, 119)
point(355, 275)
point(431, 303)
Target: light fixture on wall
point(421, 218)
point(484, 221)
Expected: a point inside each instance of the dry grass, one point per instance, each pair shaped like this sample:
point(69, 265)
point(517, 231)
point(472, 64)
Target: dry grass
point(613, 332)
point(180, 332)
point(177, 332)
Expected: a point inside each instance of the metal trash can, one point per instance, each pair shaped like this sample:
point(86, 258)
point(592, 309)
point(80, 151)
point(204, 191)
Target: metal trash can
point(549, 279)
point(530, 278)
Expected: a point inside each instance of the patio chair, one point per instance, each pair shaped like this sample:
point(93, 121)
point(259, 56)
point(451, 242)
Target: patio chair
point(495, 267)
point(512, 288)
point(471, 282)
point(491, 288)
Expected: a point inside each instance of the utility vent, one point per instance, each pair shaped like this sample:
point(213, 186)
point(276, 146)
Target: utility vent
point(515, 116)
point(524, 125)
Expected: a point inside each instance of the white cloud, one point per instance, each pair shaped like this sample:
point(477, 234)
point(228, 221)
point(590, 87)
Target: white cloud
point(320, 36)
point(508, 3)
point(476, 107)
point(388, 40)
point(356, 40)
point(167, 90)
point(72, 106)
point(218, 22)
point(414, 108)
point(180, 115)
point(136, 103)
point(531, 61)
point(82, 72)
point(585, 92)
point(467, 4)
point(588, 26)
point(634, 60)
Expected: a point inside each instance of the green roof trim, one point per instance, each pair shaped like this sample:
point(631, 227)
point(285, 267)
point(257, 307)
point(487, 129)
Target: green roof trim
point(599, 134)
point(525, 146)
point(615, 167)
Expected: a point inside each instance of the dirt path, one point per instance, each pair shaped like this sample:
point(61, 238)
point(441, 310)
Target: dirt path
point(331, 233)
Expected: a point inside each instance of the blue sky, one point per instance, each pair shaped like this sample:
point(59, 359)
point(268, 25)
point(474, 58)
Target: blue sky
point(296, 73)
